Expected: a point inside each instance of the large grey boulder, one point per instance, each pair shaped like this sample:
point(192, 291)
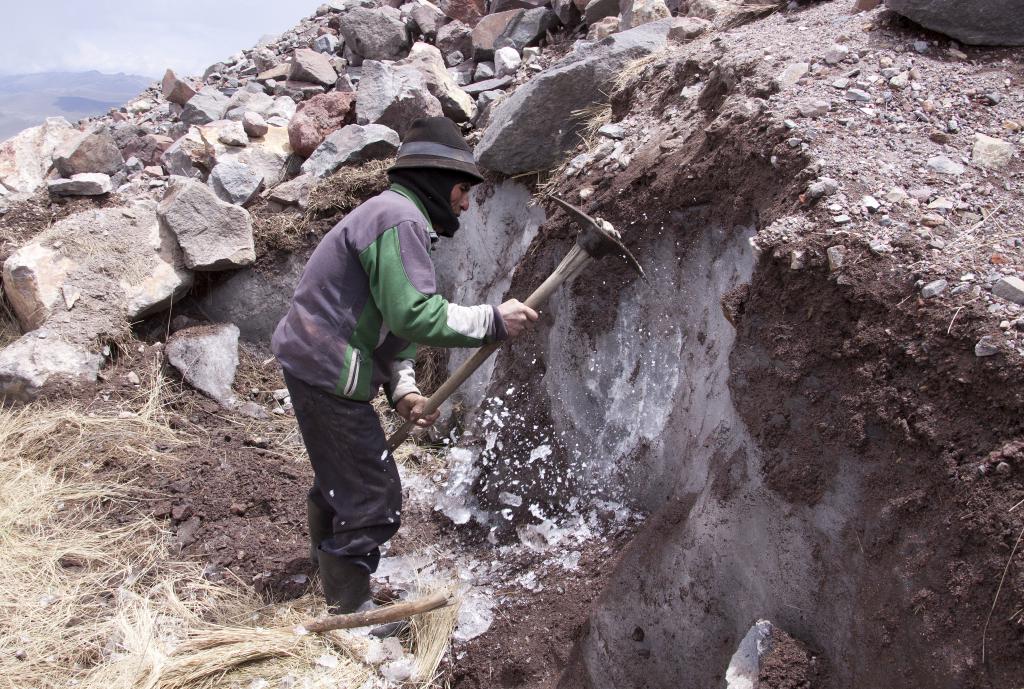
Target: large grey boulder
point(352, 143)
point(312, 67)
point(637, 12)
point(207, 358)
point(375, 34)
point(235, 182)
point(94, 151)
point(455, 103)
point(488, 30)
point(213, 234)
point(533, 128)
point(82, 184)
point(206, 106)
point(977, 22)
point(26, 157)
point(244, 100)
point(455, 36)
point(394, 96)
point(118, 261)
point(254, 300)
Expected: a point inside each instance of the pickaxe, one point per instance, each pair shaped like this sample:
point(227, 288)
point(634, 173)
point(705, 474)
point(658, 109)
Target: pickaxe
point(597, 240)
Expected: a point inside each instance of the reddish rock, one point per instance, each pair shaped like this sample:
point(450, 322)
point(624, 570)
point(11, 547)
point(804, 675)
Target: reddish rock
point(466, 11)
point(316, 118)
point(175, 90)
point(487, 30)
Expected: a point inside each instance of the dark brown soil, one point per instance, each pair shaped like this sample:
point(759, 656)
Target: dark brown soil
point(788, 665)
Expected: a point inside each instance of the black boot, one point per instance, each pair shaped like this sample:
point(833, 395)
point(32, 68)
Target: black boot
point(346, 584)
point(320, 528)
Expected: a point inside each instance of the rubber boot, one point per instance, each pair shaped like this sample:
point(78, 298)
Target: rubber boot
point(346, 584)
point(320, 528)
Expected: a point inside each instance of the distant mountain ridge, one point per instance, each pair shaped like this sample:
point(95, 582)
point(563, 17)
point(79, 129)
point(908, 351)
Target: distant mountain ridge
point(27, 99)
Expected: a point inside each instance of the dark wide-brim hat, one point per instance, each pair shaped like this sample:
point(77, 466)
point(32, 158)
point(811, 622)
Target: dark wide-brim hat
point(436, 142)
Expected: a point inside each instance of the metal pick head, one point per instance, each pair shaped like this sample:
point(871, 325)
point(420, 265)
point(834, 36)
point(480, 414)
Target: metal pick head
point(598, 237)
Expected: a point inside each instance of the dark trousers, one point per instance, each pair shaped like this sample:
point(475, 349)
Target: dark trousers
point(355, 476)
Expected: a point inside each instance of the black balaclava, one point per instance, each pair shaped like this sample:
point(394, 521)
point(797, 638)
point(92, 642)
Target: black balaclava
point(433, 187)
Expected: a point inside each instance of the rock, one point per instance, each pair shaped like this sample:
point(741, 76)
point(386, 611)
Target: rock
point(934, 288)
point(454, 58)
point(175, 90)
point(351, 144)
point(82, 184)
point(567, 12)
point(374, 34)
point(980, 22)
point(640, 12)
point(526, 29)
point(139, 274)
point(825, 186)
point(900, 81)
point(835, 54)
point(268, 156)
point(313, 67)
point(428, 18)
point(233, 134)
point(32, 363)
point(254, 300)
point(793, 73)
point(612, 131)
point(687, 28)
point(393, 96)
point(603, 29)
point(859, 95)
point(455, 36)
point(244, 100)
point(814, 108)
point(991, 153)
point(204, 107)
point(294, 192)
point(327, 44)
point(945, 166)
point(137, 142)
point(455, 103)
point(283, 108)
point(1010, 288)
point(484, 70)
point(26, 157)
point(265, 59)
point(986, 346)
point(528, 131)
point(710, 9)
point(745, 665)
point(836, 257)
point(207, 357)
point(93, 151)
point(213, 234)
point(488, 85)
point(488, 30)
point(506, 61)
point(235, 182)
point(871, 203)
point(187, 156)
point(254, 124)
point(468, 11)
point(596, 10)
point(318, 117)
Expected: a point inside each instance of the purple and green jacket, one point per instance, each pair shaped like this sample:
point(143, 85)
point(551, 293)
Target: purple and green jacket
point(365, 299)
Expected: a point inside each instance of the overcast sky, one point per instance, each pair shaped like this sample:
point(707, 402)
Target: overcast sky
point(136, 37)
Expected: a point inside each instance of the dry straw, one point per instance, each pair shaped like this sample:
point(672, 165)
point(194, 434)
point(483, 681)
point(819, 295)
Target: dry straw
point(92, 597)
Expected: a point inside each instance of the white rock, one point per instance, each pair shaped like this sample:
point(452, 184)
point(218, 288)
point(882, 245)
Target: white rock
point(82, 184)
point(207, 357)
point(945, 166)
point(991, 152)
point(1010, 288)
point(233, 134)
point(26, 157)
point(506, 61)
point(213, 234)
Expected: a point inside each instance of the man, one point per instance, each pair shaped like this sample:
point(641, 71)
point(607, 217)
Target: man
point(366, 297)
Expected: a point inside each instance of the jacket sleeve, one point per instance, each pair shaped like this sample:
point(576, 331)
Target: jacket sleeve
point(402, 375)
point(402, 284)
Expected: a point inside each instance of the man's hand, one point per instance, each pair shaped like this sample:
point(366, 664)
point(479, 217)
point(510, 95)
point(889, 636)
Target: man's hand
point(411, 406)
point(517, 316)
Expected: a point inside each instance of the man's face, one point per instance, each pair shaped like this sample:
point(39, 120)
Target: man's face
point(460, 197)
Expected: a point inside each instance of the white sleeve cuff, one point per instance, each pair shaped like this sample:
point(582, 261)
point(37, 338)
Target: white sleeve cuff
point(403, 379)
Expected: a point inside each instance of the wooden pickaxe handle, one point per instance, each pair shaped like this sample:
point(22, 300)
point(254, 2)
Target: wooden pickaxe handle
point(569, 268)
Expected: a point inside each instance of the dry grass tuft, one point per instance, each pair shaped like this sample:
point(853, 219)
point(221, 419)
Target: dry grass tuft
point(9, 328)
point(348, 187)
